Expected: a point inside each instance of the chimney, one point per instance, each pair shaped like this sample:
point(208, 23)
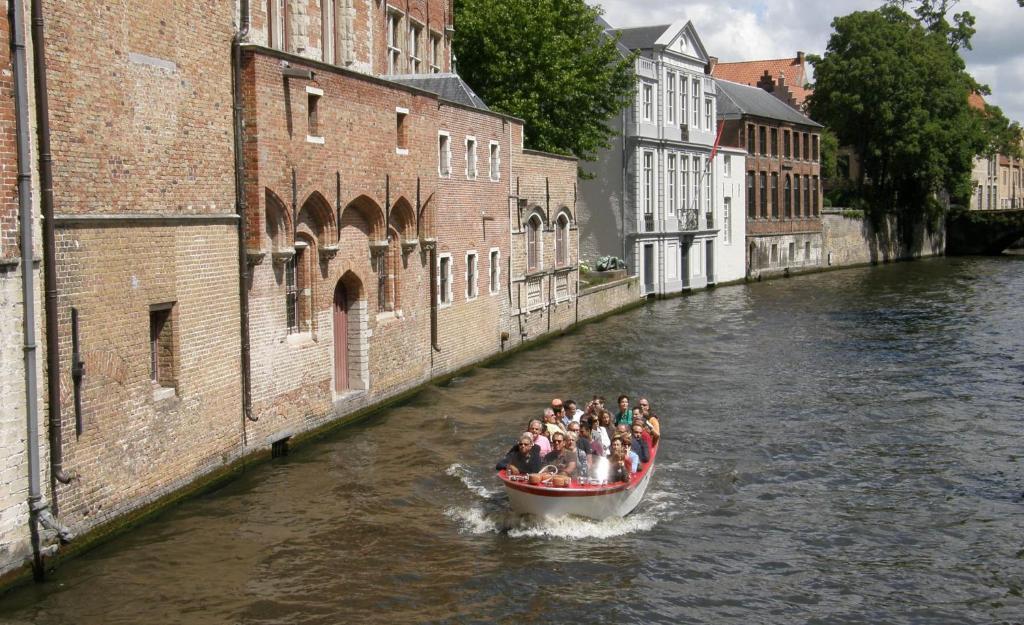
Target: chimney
point(799, 58)
point(712, 62)
point(782, 80)
point(766, 82)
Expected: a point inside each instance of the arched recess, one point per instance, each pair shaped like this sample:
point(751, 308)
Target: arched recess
point(534, 228)
point(567, 213)
point(278, 222)
point(562, 251)
point(535, 213)
point(428, 218)
point(352, 337)
point(366, 215)
point(316, 217)
point(403, 219)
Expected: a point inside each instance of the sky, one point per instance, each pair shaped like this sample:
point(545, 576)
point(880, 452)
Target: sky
point(741, 30)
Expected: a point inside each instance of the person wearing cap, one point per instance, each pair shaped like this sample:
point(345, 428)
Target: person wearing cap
point(523, 458)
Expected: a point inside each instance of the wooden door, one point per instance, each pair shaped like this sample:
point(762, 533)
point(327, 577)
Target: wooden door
point(340, 338)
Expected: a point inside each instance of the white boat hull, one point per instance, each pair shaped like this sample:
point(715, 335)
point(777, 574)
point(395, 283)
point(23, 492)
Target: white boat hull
point(593, 503)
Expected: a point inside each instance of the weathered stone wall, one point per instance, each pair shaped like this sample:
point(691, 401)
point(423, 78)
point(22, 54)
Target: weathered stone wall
point(604, 298)
point(853, 241)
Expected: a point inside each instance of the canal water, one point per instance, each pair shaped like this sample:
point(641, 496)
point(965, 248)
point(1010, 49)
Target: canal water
point(838, 448)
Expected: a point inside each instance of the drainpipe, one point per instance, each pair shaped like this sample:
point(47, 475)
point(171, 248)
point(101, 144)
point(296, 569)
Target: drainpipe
point(240, 209)
point(57, 473)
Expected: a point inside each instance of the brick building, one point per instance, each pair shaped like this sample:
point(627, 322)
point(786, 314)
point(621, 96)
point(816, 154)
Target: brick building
point(786, 78)
point(783, 198)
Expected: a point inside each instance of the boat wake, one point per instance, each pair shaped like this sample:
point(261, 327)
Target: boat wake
point(471, 481)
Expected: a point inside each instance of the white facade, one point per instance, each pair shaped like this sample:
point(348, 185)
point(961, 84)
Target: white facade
point(730, 214)
point(657, 188)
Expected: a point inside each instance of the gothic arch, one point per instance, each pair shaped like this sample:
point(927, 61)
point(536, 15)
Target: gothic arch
point(370, 215)
point(317, 218)
point(278, 222)
point(403, 219)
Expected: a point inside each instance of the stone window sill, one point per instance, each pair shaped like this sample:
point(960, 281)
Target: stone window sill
point(162, 393)
point(316, 140)
point(300, 339)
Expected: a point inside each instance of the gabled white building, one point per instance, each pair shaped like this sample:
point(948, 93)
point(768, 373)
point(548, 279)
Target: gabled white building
point(655, 199)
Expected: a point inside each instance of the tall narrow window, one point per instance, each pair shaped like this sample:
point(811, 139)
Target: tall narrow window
point(402, 130)
point(708, 113)
point(670, 97)
point(274, 24)
point(807, 194)
point(415, 34)
point(533, 244)
point(435, 54)
point(764, 194)
point(708, 164)
point(562, 241)
point(471, 158)
point(648, 102)
point(444, 280)
point(775, 200)
point(727, 221)
point(796, 145)
point(291, 294)
point(751, 148)
point(444, 155)
point(683, 82)
point(695, 97)
point(495, 269)
point(381, 267)
point(751, 196)
point(312, 111)
point(394, 42)
point(495, 162)
point(762, 140)
point(695, 186)
point(785, 144)
point(814, 148)
point(162, 361)
point(787, 196)
point(471, 273)
point(814, 197)
point(807, 147)
point(727, 165)
point(648, 183)
point(670, 206)
point(796, 197)
point(775, 141)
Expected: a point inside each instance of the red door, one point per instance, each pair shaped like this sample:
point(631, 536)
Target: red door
point(340, 338)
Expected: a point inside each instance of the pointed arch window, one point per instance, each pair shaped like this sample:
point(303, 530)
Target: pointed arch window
point(533, 228)
point(562, 241)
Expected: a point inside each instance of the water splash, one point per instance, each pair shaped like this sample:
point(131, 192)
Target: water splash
point(486, 520)
point(471, 481)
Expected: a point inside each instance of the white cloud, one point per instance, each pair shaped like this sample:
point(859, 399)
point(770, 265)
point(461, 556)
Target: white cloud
point(762, 29)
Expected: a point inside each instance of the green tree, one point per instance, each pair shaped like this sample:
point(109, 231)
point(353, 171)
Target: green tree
point(894, 87)
point(548, 63)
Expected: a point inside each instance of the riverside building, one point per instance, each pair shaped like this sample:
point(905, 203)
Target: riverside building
point(655, 199)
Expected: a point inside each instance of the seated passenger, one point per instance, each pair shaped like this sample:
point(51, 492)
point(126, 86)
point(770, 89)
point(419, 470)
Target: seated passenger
point(600, 442)
point(573, 444)
point(560, 457)
point(572, 413)
point(621, 466)
point(577, 433)
point(551, 424)
point(640, 433)
point(653, 425)
point(636, 445)
point(624, 416)
point(523, 458)
point(537, 430)
point(605, 418)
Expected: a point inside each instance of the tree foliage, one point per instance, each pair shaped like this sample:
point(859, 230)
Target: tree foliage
point(893, 86)
point(548, 63)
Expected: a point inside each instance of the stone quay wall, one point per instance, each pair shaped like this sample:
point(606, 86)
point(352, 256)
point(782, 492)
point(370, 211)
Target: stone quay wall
point(850, 240)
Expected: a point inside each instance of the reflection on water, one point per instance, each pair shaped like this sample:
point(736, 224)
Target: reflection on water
point(839, 448)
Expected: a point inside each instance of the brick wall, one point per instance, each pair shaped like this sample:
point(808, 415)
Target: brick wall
point(144, 194)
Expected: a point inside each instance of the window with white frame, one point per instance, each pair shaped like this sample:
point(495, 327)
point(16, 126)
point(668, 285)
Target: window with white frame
point(707, 186)
point(695, 173)
point(562, 241)
point(495, 162)
point(275, 27)
point(471, 275)
point(435, 53)
point(415, 35)
point(444, 154)
point(670, 206)
point(444, 279)
point(695, 98)
point(727, 221)
point(708, 116)
point(648, 102)
point(683, 82)
point(727, 165)
point(394, 42)
point(471, 158)
point(495, 270)
point(649, 183)
point(670, 97)
point(533, 249)
point(684, 181)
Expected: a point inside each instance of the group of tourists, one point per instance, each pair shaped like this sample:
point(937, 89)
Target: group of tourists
point(579, 443)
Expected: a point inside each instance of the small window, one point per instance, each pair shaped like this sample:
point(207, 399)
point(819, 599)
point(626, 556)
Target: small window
point(775, 252)
point(401, 130)
point(312, 108)
point(444, 155)
point(648, 102)
point(471, 158)
point(727, 221)
point(495, 268)
point(291, 294)
point(162, 352)
point(415, 32)
point(807, 250)
point(792, 251)
point(562, 242)
point(495, 162)
point(471, 273)
point(727, 164)
point(444, 280)
point(709, 113)
point(775, 141)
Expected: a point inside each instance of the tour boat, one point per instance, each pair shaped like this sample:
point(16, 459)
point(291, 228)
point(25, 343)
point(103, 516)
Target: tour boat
point(591, 498)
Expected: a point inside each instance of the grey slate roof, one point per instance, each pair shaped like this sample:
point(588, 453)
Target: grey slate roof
point(449, 87)
point(608, 31)
point(642, 37)
point(736, 100)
